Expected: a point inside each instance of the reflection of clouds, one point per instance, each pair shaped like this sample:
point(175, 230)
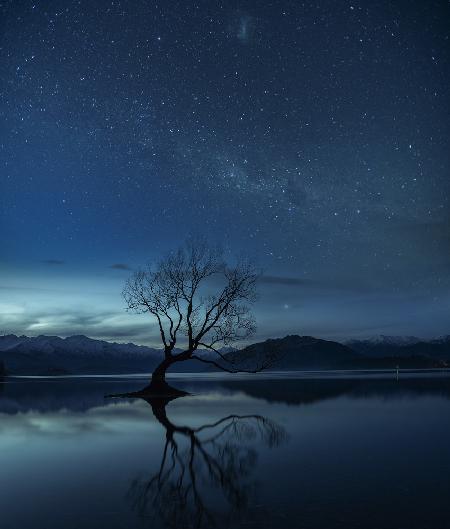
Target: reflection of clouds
point(116, 416)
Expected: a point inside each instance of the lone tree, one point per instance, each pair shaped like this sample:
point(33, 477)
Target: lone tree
point(198, 300)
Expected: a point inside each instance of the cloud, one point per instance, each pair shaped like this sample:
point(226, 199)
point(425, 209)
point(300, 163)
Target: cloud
point(120, 266)
point(53, 262)
point(102, 325)
point(27, 288)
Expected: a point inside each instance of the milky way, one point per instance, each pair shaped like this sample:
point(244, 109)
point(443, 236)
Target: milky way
point(312, 136)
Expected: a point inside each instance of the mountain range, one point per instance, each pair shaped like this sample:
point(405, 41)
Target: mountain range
point(47, 355)
point(408, 346)
point(52, 355)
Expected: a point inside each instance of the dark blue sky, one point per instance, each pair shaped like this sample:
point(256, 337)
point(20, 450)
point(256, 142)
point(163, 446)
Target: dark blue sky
point(312, 136)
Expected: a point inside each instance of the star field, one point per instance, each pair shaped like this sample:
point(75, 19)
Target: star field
point(313, 136)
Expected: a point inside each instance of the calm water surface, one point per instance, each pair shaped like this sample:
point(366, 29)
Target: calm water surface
point(308, 452)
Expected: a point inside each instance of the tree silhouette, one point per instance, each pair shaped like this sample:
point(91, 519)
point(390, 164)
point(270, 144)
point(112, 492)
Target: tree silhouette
point(195, 294)
point(214, 457)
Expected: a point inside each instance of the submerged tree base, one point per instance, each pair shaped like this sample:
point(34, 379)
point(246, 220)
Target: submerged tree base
point(155, 390)
point(161, 389)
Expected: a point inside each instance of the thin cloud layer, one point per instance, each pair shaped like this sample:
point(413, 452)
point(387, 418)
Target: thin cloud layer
point(52, 262)
point(120, 266)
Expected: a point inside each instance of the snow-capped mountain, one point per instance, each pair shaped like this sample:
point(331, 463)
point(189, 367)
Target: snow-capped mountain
point(442, 340)
point(52, 354)
point(72, 345)
point(402, 346)
point(382, 339)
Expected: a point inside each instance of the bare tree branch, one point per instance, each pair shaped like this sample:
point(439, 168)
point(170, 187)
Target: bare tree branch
point(229, 370)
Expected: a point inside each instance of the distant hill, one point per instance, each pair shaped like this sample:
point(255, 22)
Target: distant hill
point(297, 352)
point(307, 353)
point(52, 355)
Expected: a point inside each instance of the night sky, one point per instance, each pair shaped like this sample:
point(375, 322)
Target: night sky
point(313, 137)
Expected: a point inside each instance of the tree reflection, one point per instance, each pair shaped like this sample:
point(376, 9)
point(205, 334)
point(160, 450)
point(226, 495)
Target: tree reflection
point(202, 469)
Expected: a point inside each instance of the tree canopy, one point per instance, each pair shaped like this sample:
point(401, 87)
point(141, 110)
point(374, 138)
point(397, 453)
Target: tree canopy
point(200, 302)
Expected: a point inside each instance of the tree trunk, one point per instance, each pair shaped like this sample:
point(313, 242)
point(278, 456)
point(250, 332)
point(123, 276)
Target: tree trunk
point(159, 374)
point(158, 384)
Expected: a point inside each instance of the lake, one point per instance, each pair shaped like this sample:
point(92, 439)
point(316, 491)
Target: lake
point(335, 450)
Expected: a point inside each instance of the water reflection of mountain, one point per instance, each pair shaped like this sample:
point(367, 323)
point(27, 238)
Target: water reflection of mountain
point(20, 395)
point(308, 391)
point(74, 394)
